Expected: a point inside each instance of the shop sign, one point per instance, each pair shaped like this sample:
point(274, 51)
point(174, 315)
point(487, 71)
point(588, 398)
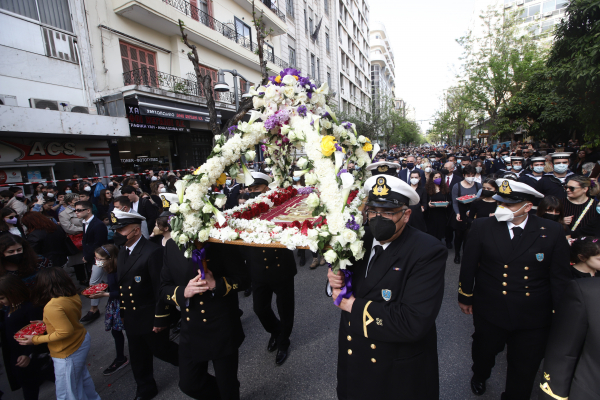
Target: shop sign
point(44, 151)
point(34, 175)
point(173, 114)
point(139, 121)
point(12, 175)
point(139, 160)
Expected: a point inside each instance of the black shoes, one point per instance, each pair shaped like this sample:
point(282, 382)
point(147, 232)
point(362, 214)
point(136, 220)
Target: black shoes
point(146, 396)
point(282, 355)
point(272, 346)
point(115, 366)
point(477, 387)
point(90, 316)
point(457, 258)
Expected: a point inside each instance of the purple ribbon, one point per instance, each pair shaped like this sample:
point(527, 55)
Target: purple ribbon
point(346, 289)
point(198, 256)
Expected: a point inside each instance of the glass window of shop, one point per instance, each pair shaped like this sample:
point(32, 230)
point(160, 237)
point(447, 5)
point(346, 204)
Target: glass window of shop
point(143, 152)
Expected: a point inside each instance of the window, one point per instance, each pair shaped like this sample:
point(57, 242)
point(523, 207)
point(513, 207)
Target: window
point(289, 6)
point(312, 66)
point(244, 34)
point(307, 61)
point(548, 6)
point(328, 76)
point(54, 13)
point(311, 26)
point(547, 26)
point(201, 10)
point(340, 33)
point(326, 5)
point(318, 70)
point(305, 21)
point(292, 52)
point(269, 52)
point(139, 65)
point(327, 42)
point(213, 75)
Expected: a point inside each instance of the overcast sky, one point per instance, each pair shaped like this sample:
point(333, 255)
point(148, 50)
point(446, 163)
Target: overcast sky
point(423, 36)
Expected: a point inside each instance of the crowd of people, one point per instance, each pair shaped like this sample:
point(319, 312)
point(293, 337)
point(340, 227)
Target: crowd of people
point(512, 280)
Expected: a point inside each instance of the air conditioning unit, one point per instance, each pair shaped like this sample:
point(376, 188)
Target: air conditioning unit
point(520, 2)
point(548, 14)
point(80, 109)
point(54, 105)
point(8, 100)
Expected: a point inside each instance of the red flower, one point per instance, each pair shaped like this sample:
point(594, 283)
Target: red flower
point(352, 196)
point(294, 191)
point(263, 207)
point(296, 224)
point(247, 215)
point(237, 215)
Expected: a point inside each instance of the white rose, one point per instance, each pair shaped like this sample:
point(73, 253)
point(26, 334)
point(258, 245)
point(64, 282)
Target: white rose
point(174, 208)
point(302, 162)
point(349, 235)
point(272, 92)
point(361, 162)
point(257, 102)
point(310, 179)
point(353, 140)
point(289, 80)
point(183, 239)
point(217, 149)
point(300, 135)
point(268, 161)
point(292, 136)
point(285, 129)
point(232, 235)
point(207, 209)
point(358, 219)
point(250, 154)
point(313, 200)
point(362, 139)
point(325, 123)
point(203, 235)
point(301, 97)
point(289, 91)
point(188, 253)
point(184, 208)
point(220, 201)
point(356, 247)
point(330, 256)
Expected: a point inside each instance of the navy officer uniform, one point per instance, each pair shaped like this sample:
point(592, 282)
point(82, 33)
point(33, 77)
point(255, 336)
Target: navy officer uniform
point(552, 185)
point(210, 325)
point(512, 278)
point(387, 345)
point(532, 177)
point(145, 316)
point(272, 271)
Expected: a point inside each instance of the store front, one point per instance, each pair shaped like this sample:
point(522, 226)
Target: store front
point(31, 160)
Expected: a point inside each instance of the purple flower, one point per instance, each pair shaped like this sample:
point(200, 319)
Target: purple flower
point(264, 148)
point(232, 129)
point(352, 224)
point(344, 170)
point(289, 71)
point(306, 190)
point(347, 125)
point(312, 122)
point(338, 147)
point(302, 110)
point(309, 94)
point(326, 115)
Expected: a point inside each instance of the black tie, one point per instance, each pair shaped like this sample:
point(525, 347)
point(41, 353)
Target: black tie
point(128, 253)
point(516, 235)
point(378, 250)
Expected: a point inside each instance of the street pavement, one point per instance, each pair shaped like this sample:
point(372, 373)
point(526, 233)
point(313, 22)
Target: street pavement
point(310, 371)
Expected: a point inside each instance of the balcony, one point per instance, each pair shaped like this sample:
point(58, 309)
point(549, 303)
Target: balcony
point(163, 16)
point(273, 17)
point(171, 83)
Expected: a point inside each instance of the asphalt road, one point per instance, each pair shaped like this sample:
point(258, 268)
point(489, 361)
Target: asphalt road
point(310, 371)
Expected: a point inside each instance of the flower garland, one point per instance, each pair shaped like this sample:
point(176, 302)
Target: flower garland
point(293, 114)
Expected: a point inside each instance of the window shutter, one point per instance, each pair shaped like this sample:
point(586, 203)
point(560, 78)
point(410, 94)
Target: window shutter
point(139, 65)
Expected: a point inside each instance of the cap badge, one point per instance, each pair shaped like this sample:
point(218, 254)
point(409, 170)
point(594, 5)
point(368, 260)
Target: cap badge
point(113, 219)
point(386, 294)
point(165, 203)
point(380, 188)
point(382, 168)
point(539, 257)
point(505, 188)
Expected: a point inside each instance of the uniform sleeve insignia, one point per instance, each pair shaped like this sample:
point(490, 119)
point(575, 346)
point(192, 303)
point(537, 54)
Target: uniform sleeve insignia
point(386, 294)
point(166, 204)
point(168, 297)
point(379, 321)
point(505, 188)
point(138, 279)
point(546, 376)
point(380, 189)
point(539, 257)
point(113, 219)
point(382, 168)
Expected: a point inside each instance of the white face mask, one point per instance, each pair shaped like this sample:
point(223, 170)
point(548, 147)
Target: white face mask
point(87, 189)
point(163, 190)
point(428, 169)
point(414, 181)
point(538, 169)
point(503, 214)
point(100, 263)
point(478, 169)
point(508, 167)
point(154, 178)
point(470, 179)
point(517, 167)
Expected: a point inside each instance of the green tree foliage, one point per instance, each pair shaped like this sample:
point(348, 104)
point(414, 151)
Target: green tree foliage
point(405, 132)
point(450, 123)
point(574, 62)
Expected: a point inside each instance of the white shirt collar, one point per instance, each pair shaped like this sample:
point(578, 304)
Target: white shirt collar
point(134, 206)
point(521, 225)
point(376, 243)
point(89, 220)
point(130, 248)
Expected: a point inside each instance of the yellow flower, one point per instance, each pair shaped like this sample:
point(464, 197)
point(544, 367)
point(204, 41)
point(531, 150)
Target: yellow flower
point(368, 146)
point(197, 171)
point(278, 79)
point(328, 145)
point(296, 76)
point(222, 179)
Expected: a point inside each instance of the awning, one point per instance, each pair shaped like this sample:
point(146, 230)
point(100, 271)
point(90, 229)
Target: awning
point(170, 109)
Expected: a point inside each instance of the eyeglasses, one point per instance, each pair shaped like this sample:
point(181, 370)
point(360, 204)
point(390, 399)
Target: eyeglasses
point(571, 188)
point(385, 214)
point(81, 209)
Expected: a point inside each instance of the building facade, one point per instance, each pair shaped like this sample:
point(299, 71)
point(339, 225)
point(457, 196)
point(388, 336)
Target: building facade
point(538, 16)
point(49, 125)
point(383, 68)
point(353, 56)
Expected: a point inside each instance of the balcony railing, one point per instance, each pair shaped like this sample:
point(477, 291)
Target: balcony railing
point(275, 9)
point(195, 13)
point(171, 83)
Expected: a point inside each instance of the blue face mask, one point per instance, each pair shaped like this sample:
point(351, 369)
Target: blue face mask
point(539, 169)
point(228, 182)
point(296, 178)
point(68, 191)
point(560, 168)
point(356, 167)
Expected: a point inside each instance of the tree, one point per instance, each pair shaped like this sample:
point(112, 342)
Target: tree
point(204, 81)
point(450, 124)
point(497, 64)
point(574, 62)
point(405, 132)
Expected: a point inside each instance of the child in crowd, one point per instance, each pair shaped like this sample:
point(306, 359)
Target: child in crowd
point(585, 257)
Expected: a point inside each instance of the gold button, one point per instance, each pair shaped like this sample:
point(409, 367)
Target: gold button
point(188, 318)
point(278, 265)
point(505, 275)
point(373, 360)
point(120, 287)
point(503, 292)
point(526, 294)
point(202, 311)
point(265, 259)
point(350, 352)
point(122, 308)
point(203, 320)
point(373, 346)
point(132, 301)
point(504, 283)
point(134, 308)
point(349, 338)
point(264, 251)
point(267, 267)
point(187, 310)
point(277, 258)
point(348, 323)
point(526, 287)
point(121, 294)
point(506, 266)
point(526, 268)
point(526, 277)
point(130, 294)
point(129, 287)
point(201, 303)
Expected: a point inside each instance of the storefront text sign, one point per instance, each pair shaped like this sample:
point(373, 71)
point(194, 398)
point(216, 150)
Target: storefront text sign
point(139, 160)
point(44, 151)
point(159, 122)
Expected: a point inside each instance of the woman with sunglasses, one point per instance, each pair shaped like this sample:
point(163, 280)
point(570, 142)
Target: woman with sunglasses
point(580, 205)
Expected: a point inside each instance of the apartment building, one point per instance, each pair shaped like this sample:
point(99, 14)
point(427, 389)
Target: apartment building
point(353, 54)
point(383, 68)
point(143, 71)
point(538, 16)
point(310, 43)
point(49, 125)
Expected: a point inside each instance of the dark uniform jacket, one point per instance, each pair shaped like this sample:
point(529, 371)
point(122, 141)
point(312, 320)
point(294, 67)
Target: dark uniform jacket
point(572, 362)
point(210, 323)
point(528, 178)
point(139, 284)
point(96, 234)
point(388, 348)
point(514, 288)
point(269, 265)
point(232, 194)
point(550, 185)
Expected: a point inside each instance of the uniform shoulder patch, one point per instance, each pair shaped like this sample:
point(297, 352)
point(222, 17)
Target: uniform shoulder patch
point(113, 219)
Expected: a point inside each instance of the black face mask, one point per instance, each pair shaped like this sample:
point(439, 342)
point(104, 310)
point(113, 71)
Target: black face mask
point(487, 193)
point(254, 194)
point(120, 239)
point(445, 171)
point(551, 217)
point(403, 165)
point(382, 228)
point(14, 259)
point(410, 165)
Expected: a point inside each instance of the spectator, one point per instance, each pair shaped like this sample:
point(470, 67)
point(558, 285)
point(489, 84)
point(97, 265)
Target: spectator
point(124, 204)
point(85, 196)
point(46, 207)
point(105, 218)
point(132, 182)
point(46, 238)
point(67, 339)
point(115, 182)
point(104, 204)
point(9, 200)
point(587, 169)
point(9, 222)
point(19, 194)
point(142, 206)
point(18, 258)
point(37, 193)
point(73, 227)
point(577, 164)
point(171, 179)
point(585, 257)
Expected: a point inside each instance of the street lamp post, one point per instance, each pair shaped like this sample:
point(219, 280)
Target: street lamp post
point(222, 86)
